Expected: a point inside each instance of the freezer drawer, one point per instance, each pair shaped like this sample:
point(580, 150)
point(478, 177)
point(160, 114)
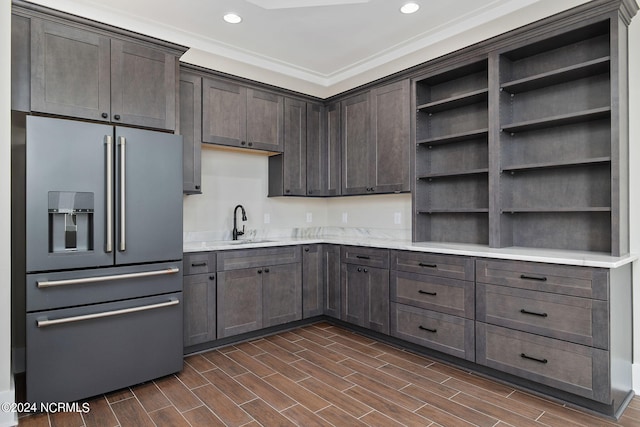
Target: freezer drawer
point(85, 351)
point(47, 291)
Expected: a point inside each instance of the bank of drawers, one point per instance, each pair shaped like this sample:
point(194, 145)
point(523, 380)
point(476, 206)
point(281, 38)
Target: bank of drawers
point(546, 323)
point(432, 301)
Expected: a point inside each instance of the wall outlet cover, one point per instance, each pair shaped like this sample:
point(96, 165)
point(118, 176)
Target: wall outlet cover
point(345, 217)
point(309, 217)
point(267, 218)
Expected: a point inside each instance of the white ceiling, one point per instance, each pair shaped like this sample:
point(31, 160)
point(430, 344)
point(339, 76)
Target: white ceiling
point(315, 46)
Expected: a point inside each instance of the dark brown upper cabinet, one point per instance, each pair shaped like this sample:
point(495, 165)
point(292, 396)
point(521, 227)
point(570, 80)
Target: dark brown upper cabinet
point(239, 116)
point(287, 171)
point(376, 140)
point(80, 73)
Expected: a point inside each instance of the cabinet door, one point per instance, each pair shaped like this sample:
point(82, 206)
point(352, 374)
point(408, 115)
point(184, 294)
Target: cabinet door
point(143, 86)
point(265, 120)
point(224, 111)
point(295, 148)
point(199, 310)
point(312, 281)
point(389, 156)
point(70, 71)
point(356, 158)
point(191, 131)
point(282, 294)
point(354, 294)
point(239, 295)
point(365, 297)
point(20, 68)
point(377, 315)
point(288, 171)
point(331, 285)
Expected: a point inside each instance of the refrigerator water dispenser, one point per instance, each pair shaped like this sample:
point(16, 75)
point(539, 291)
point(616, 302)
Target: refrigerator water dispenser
point(70, 221)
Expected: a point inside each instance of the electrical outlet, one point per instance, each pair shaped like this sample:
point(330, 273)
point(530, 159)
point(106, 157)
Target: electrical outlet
point(397, 218)
point(309, 217)
point(267, 218)
point(345, 217)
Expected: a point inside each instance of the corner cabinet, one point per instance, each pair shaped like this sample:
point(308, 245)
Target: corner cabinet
point(240, 116)
point(525, 143)
point(288, 171)
point(375, 140)
point(90, 74)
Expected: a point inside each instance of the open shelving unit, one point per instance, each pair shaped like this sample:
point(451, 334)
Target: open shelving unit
point(555, 142)
point(527, 147)
point(451, 196)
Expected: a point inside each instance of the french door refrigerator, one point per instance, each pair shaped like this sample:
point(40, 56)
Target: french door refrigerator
point(103, 257)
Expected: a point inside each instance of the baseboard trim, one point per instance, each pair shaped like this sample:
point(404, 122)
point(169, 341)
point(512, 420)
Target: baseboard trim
point(8, 419)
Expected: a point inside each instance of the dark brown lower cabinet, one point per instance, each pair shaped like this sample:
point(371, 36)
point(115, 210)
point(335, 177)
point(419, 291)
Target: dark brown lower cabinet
point(331, 287)
point(239, 301)
point(365, 296)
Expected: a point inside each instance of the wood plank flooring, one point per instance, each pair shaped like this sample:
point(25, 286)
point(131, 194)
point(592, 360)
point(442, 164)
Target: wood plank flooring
point(322, 375)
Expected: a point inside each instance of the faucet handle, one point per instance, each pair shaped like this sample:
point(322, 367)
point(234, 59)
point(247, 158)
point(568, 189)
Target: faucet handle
point(241, 233)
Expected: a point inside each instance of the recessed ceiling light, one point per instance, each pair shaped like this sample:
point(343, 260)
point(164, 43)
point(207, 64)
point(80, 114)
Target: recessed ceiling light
point(232, 18)
point(410, 8)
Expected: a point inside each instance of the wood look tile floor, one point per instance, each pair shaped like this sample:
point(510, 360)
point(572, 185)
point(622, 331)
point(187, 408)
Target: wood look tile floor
point(323, 375)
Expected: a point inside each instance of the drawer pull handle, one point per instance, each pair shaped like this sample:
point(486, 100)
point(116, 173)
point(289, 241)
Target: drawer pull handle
point(198, 264)
point(363, 257)
point(428, 329)
point(427, 293)
point(46, 322)
point(533, 313)
point(422, 264)
point(530, 277)
point(535, 359)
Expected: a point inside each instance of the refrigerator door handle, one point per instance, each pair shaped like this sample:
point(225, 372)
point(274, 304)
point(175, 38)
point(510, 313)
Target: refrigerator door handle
point(109, 190)
point(84, 280)
point(122, 142)
point(46, 322)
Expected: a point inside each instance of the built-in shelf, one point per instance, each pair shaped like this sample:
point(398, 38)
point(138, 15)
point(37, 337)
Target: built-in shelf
point(458, 137)
point(559, 120)
point(556, 209)
point(454, 174)
point(559, 164)
point(457, 101)
point(562, 75)
point(453, 211)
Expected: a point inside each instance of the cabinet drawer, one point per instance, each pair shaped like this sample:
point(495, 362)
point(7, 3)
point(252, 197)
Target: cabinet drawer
point(449, 296)
point(448, 334)
point(578, 281)
point(371, 257)
point(453, 267)
point(117, 344)
point(199, 263)
point(249, 258)
point(580, 320)
point(574, 368)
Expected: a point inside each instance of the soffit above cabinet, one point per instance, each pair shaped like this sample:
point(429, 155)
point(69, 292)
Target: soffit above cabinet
point(317, 47)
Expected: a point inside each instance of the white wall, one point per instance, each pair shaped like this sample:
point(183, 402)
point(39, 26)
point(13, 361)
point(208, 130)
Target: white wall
point(231, 177)
point(634, 178)
point(6, 378)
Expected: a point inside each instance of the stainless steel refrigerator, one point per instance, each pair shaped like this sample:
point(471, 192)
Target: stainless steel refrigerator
point(103, 236)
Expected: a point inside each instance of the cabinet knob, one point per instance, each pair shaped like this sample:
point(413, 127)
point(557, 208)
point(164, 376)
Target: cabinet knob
point(359, 269)
point(287, 191)
point(310, 192)
point(365, 270)
point(104, 115)
point(197, 187)
point(243, 142)
point(116, 117)
point(259, 271)
point(212, 277)
point(266, 270)
point(250, 144)
point(306, 249)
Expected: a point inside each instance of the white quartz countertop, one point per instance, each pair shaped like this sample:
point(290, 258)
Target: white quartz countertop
point(578, 258)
